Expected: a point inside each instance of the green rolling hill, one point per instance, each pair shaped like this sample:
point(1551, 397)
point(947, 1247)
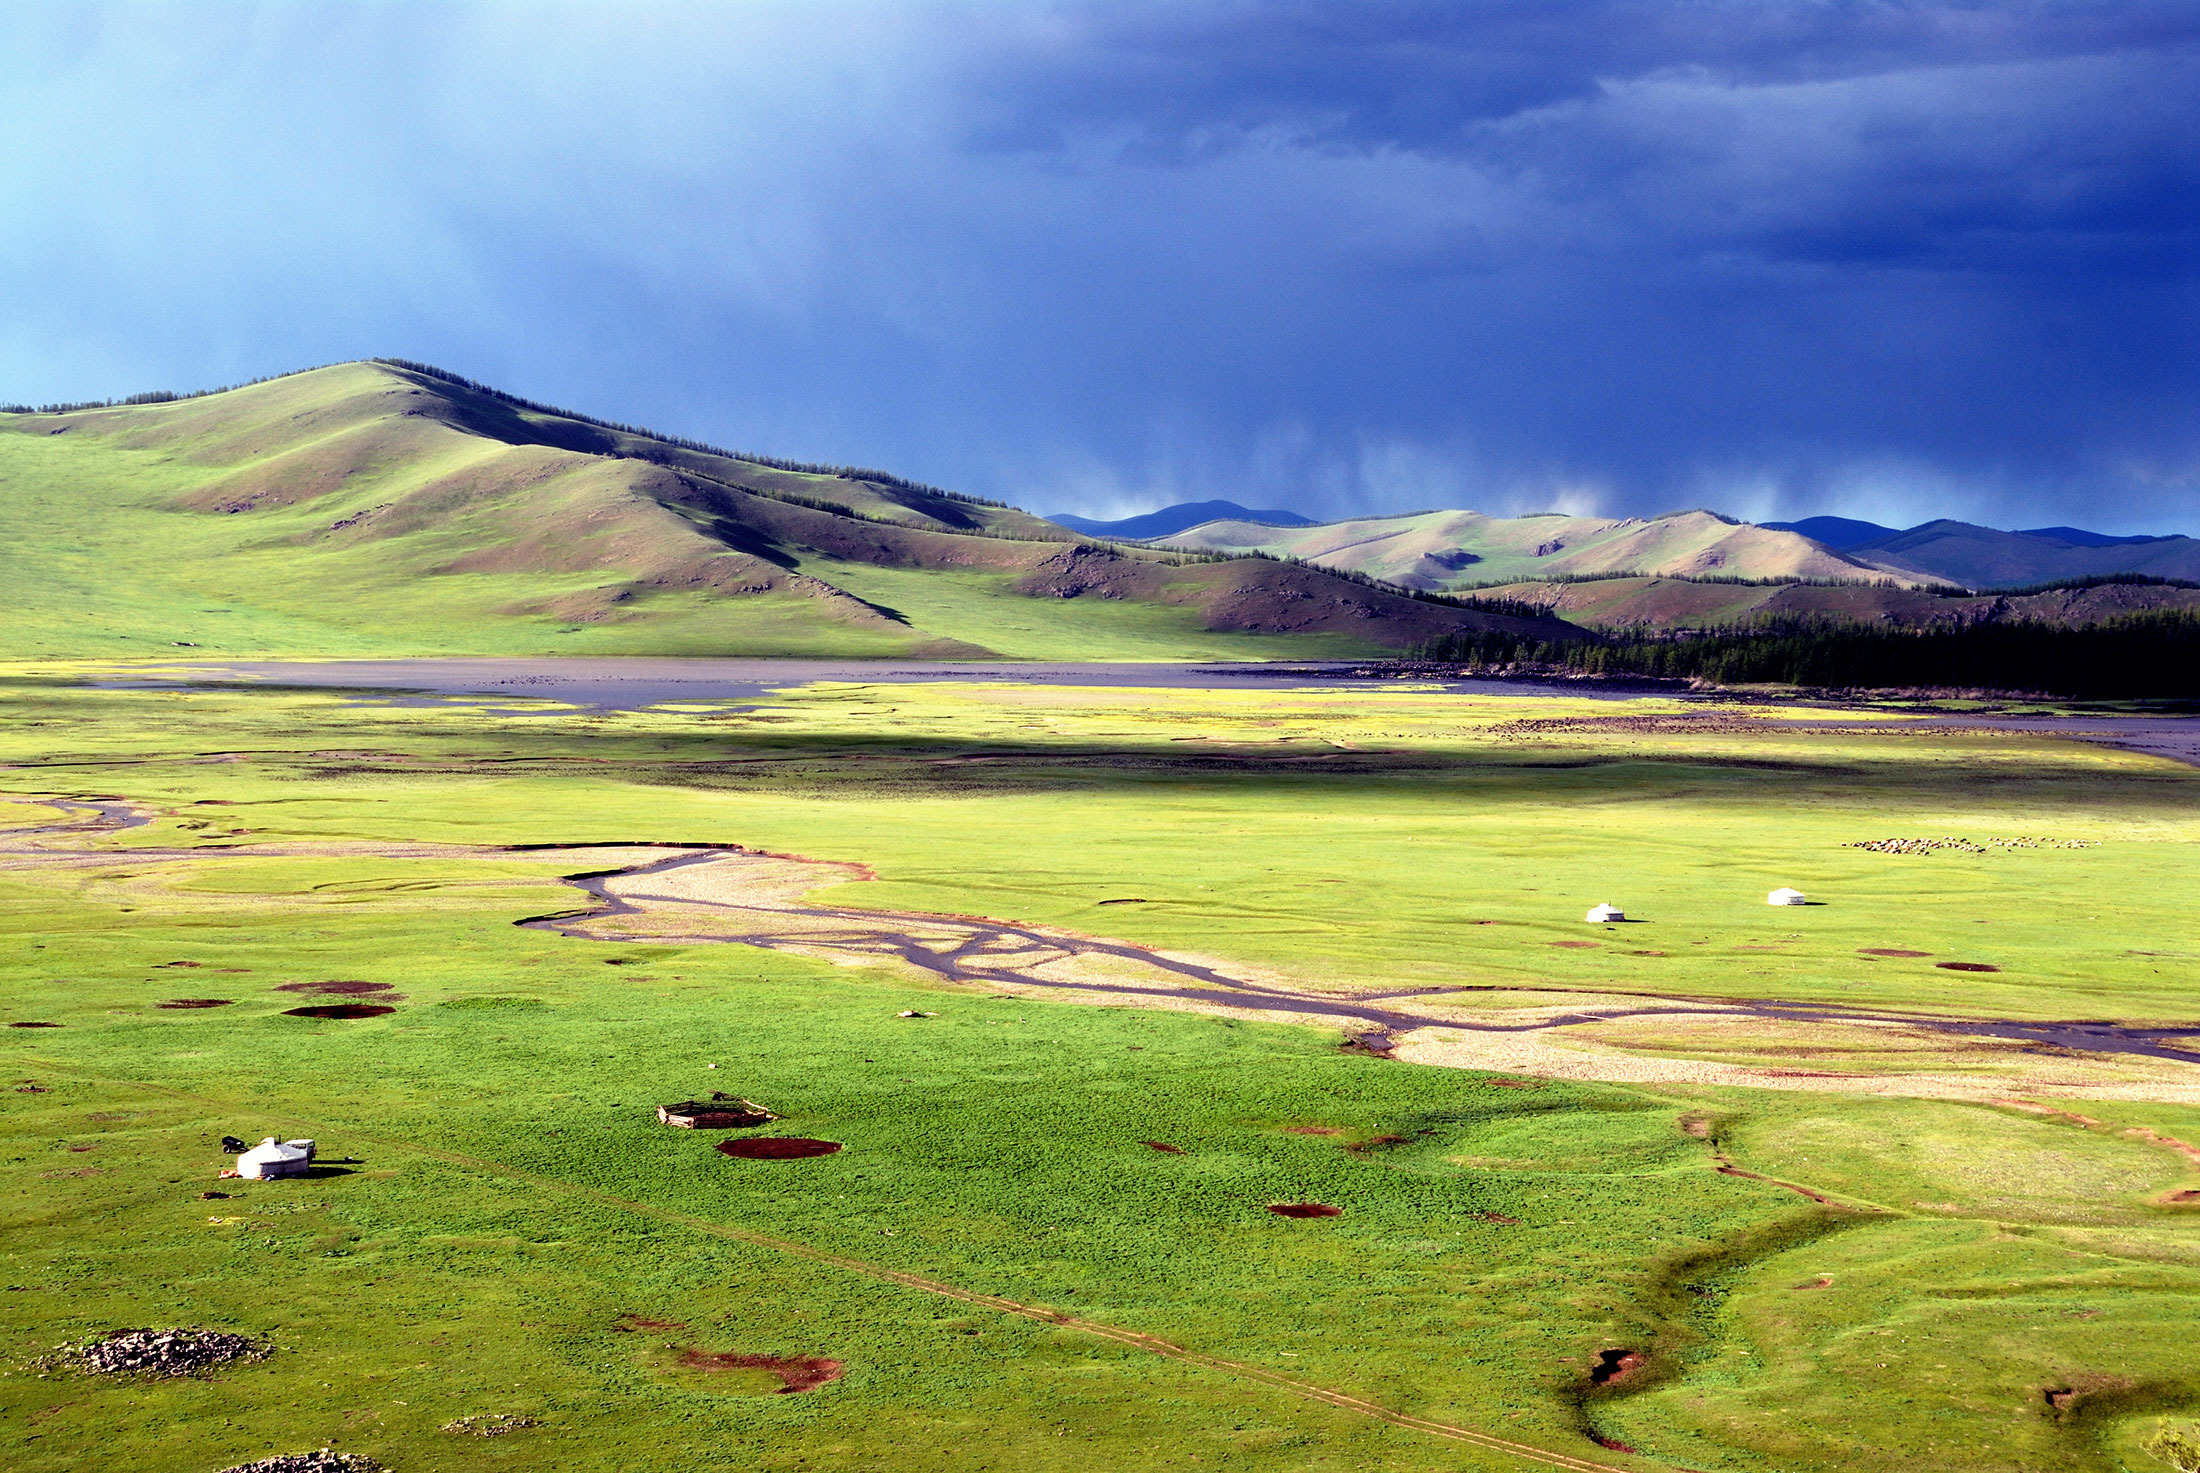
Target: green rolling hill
point(381, 508)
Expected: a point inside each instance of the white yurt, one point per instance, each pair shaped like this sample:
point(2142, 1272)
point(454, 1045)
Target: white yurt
point(1784, 896)
point(1600, 913)
point(272, 1158)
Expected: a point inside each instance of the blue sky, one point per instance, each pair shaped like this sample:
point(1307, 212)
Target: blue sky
point(1883, 259)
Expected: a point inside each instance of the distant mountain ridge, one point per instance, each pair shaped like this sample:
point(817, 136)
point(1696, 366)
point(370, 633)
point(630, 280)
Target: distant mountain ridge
point(1171, 520)
point(1452, 551)
point(1846, 534)
point(1986, 558)
point(2079, 537)
point(1838, 533)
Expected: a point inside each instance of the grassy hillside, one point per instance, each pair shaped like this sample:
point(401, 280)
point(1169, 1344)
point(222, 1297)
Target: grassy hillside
point(375, 508)
point(1456, 549)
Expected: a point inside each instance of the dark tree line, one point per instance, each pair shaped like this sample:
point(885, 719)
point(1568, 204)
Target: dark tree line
point(150, 396)
point(2150, 654)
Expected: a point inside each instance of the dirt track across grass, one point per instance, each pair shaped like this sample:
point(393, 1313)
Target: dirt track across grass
point(757, 899)
point(727, 894)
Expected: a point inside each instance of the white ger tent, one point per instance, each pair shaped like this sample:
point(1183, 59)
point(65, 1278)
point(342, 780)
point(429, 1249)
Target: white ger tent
point(272, 1158)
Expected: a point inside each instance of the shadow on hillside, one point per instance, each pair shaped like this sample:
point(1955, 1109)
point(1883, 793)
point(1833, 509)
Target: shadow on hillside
point(493, 419)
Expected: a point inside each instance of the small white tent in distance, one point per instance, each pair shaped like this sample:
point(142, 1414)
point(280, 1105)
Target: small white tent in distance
point(1601, 913)
point(1785, 896)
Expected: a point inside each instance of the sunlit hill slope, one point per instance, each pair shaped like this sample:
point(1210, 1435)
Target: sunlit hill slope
point(379, 508)
point(1457, 549)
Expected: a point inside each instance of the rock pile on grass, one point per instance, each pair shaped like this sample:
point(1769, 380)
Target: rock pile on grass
point(1966, 846)
point(321, 1461)
point(1537, 726)
point(161, 1352)
point(489, 1424)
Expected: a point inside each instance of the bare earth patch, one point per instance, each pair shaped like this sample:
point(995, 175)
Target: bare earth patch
point(796, 1373)
point(1678, 1045)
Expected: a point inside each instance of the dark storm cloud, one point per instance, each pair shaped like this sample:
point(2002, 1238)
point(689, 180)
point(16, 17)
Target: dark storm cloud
point(1896, 260)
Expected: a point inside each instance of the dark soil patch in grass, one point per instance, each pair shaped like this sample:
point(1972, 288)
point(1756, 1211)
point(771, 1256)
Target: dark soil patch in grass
point(1163, 1146)
point(2186, 1196)
point(195, 1002)
point(1305, 1209)
point(1648, 953)
point(340, 1010)
point(1312, 1130)
point(1579, 945)
point(1967, 966)
point(777, 1148)
point(641, 1323)
point(795, 1372)
point(1614, 1365)
point(1126, 900)
point(34, 1025)
point(1612, 1444)
point(1888, 951)
point(179, 964)
point(337, 989)
point(1499, 1218)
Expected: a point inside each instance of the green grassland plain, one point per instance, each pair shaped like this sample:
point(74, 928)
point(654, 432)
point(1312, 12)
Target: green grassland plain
point(1986, 1288)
